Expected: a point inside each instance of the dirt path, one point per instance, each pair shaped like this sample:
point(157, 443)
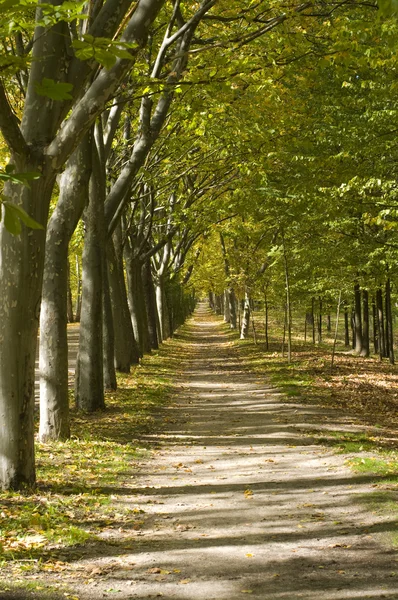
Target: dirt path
point(237, 501)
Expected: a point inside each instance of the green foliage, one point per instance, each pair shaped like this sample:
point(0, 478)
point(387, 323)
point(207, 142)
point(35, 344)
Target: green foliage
point(54, 89)
point(103, 50)
point(15, 215)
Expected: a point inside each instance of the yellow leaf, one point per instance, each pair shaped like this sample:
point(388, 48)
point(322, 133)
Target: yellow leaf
point(249, 555)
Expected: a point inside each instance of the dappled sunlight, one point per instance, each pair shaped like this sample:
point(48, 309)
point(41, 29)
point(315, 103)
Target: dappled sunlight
point(234, 497)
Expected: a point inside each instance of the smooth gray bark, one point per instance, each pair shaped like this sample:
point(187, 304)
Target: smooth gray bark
point(21, 271)
point(69, 301)
point(136, 300)
point(53, 362)
point(389, 324)
point(365, 324)
point(244, 332)
point(358, 319)
point(108, 334)
point(150, 305)
point(89, 382)
point(227, 314)
point(126, 351)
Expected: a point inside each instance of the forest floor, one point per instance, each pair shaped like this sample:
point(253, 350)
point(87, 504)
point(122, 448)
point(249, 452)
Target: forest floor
point(230, 495)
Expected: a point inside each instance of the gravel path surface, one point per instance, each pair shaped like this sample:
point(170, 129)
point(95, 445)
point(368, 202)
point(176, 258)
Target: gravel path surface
point(238, 501)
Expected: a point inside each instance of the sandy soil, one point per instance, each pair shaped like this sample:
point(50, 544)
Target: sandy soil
point(238, 501)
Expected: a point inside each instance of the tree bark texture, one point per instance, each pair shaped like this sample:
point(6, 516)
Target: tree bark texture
point(358, 319)
point(244, 332)
point(136, 300)
point(389, 323)
point(150, 305)
point(53, 362)
point(365, 324)
point(108, 333)
point(346, 326)
point(126, 350)
point(380, 323)
point(21, 272)
point(69, 300)
point(89, 382)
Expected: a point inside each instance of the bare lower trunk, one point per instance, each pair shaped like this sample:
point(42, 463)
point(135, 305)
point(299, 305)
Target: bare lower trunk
point(53, 364)
point(227, 314)
point(358, 319)
point(89, 383)
point(389, 328)
point(78, 291)
point(380, 323)
point(69, 301)
point(266, 324)
point(374, 329)
point(346, 326)
point(320, 321)
point(232, 307)
point(126, 351)
point(21, 272)
point(136, 301)
point(244, 332)
point(150, 304)
point(162, 308)
point(365, 324)
point(108, 334)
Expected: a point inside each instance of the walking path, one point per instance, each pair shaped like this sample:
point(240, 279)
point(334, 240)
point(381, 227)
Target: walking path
point(239, 502)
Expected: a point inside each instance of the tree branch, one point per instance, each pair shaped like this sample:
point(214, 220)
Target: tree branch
point(9, 126)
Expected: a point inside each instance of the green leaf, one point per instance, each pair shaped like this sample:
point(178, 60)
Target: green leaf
point(9, 175)
point(53, 89)
point(14, 215)
point(11, 221)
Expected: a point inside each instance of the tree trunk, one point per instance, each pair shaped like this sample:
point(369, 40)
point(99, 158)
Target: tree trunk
point(389, 326)
point(365, 325)
point(266, 323)
point(227, 314)
point(21, 274)
point(336, 329)
point(78, 291)
point(380, 323)
point(358, 319)
point(320, 321)
point(218, 305)
point(346, 326)
point(108, 333)
point(244, 332)
point(375, 327)
point(386, 322)
point(231, 307)
point(313, 319)
point(89, 381)
point(150, 305)
point(53, 362)
point(288, 306)
point(126, 350)
point(329, 324)
point(69, 296)
point(162, 307)
point(136, 300)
